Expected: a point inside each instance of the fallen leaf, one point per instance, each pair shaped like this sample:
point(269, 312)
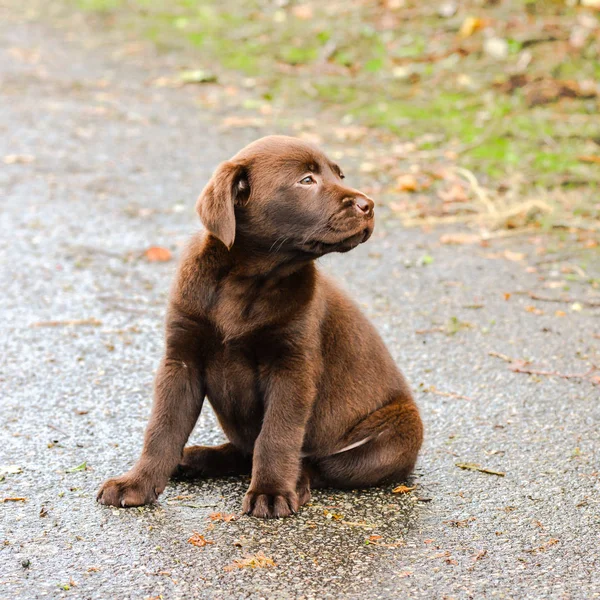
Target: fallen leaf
point(258, 561)
point(237, 121)
point(479, 555)
point(82, 467)
point(303, 12)
point(543, 547)
point(459, 523)
point(158, 254)
point(197, 76)
point(546, 90)
point(475, 467)
point(534, 310)
point(455, 325)
point(507, 295)
point(163, 82)
point(10, 470)
point(15, 499)
point(12, 159)
point(560, 313)
point(403, 489)
point(217, 516)
point(374, 540)
point(469, 26)
point(407, 183)
point(459, 238)
point(199, 540)
point(589, 159)
point(515, 256)
point(455, 193)
point(358, 524)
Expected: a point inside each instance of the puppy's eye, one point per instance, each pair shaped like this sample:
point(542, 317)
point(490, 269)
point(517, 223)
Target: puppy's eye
point(307, 180)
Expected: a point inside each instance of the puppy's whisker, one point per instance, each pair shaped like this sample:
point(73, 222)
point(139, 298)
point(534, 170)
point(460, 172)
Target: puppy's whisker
point(312, 232)
point(275, 242)
point(285, 239)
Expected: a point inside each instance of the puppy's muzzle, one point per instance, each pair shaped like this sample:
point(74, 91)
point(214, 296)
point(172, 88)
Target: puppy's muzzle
point(364, 206)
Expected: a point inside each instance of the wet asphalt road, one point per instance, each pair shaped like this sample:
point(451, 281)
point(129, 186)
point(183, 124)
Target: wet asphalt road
point(96, 166)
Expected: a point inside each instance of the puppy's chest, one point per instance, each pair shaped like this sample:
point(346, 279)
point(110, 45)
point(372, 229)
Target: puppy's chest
point(232, 378)
point(244, 308)
point(235, 383)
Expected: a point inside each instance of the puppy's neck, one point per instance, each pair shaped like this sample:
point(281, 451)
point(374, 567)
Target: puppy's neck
point(241, 290)
point(248, 260)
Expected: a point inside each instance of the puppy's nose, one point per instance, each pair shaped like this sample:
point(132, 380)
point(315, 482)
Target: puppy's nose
point(364, 205)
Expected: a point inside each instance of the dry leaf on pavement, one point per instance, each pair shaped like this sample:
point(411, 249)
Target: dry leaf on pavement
point(258, 561)
point(407, 183)
point(158, 254)
point(199, 540)
point(470, 25)
point(460, 238)
point(218, 516)
point(515, 256)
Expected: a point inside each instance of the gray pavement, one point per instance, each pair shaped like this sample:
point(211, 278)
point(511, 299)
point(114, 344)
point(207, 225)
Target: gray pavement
point(116, 167)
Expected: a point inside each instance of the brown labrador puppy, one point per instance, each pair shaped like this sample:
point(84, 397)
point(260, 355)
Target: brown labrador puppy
point(302, 384)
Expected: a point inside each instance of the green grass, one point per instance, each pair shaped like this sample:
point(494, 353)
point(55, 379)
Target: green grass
point(398, 72)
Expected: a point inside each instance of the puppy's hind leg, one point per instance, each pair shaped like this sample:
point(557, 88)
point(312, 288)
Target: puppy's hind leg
point(303, 485)
point(213, 461)
point(393, 435)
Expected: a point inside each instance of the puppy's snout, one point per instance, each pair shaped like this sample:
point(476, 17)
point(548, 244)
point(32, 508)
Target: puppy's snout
point(364, 205)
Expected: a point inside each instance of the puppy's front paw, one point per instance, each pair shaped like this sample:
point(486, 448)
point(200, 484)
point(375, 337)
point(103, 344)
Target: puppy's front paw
point(270, 506)
point(129, 490)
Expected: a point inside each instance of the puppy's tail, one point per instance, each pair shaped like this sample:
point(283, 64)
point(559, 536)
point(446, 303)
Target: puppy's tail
point(399, 420)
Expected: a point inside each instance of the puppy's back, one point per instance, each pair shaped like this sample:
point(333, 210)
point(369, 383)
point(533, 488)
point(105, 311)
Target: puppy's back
point(354, 355)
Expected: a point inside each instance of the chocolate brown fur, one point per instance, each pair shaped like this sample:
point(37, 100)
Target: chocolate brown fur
point(294, 371)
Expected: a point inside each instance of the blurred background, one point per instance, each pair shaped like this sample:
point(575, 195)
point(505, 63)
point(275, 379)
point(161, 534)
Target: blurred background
point(475, 123)
point(480, 112)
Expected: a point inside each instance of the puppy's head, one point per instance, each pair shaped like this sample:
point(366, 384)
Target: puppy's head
point(281, 194)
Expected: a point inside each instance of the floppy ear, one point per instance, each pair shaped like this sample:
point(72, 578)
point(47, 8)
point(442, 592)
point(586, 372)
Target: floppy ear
point(227, 187)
